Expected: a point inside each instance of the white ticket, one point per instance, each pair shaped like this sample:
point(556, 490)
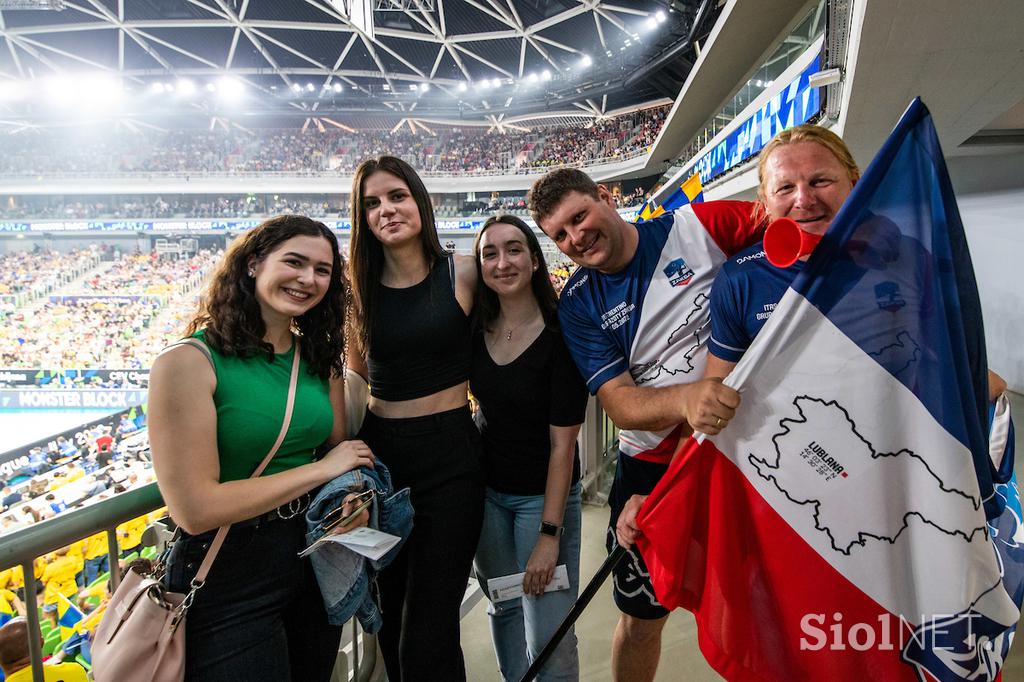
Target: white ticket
point(511, 586)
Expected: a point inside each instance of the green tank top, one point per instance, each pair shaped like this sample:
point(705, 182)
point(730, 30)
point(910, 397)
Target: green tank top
point(250, 399)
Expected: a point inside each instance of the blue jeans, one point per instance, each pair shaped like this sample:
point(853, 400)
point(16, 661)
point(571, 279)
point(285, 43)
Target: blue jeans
point(93, 568)
point(521, 627)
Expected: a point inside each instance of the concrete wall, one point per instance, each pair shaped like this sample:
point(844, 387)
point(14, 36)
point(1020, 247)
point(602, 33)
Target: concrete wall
point(995, 234)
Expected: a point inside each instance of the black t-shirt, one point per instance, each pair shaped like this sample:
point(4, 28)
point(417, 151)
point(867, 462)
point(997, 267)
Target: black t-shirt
point(518, 403)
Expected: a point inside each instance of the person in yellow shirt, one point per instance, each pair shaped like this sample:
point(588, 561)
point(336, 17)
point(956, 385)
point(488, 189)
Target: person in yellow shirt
point(58, 578)
point(129, 535)
point(76, 550)
point(10, 606)
point(96, 558)
point(15, 661)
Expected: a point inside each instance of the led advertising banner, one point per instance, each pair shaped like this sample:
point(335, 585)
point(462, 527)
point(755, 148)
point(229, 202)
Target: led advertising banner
point(85, 398)
point(797, 103)
point(16, 377)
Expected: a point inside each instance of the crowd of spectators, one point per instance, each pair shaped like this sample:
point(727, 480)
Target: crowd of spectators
point(23, 271)
point(445, 150)
point(116, 319)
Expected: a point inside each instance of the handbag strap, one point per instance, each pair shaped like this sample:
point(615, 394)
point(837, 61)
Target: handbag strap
point(222, 532)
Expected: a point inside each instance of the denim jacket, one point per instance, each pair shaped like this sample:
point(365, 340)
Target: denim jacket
point(345, 577)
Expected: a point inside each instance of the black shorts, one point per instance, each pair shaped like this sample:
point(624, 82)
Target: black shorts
point(632, 589)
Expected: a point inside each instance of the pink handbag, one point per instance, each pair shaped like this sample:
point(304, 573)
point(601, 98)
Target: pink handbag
point(141, 637)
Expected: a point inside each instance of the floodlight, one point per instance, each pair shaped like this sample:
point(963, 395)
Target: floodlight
point(186, 88)
point(210, 87)
point(495, 82)
point(412, 86)
point(310, 87)
point(230, 88)
point(545, 75)
point(462, 87)
point(659, 16)
point(651, 23)
point(296, 87)
point(336, 87)
point(585, 61)
point(532, 78)
point(12, 91)
point(424, 87)
point(156, 88)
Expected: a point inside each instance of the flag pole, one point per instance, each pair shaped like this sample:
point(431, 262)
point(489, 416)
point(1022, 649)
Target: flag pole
point(574, 613)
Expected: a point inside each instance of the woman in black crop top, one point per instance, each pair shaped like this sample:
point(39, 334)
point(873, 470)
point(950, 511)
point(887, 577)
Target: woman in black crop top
point(411, 306)
point(532, 403)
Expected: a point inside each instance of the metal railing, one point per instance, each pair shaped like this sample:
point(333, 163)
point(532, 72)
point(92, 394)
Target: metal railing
point(22, 547)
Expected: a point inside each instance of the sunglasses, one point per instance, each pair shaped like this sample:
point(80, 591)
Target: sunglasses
point(336, 518)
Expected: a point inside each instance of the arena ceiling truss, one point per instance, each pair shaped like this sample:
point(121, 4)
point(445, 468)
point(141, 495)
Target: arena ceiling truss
point(333, 61)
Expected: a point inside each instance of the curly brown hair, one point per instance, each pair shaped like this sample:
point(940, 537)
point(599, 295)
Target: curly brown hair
point(230, 314)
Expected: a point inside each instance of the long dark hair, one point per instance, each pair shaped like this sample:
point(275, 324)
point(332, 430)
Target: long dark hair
point(230, 313)
point(366, 255)
point(486, 307)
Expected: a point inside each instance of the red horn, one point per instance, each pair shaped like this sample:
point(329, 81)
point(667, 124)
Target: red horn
point(785, 242)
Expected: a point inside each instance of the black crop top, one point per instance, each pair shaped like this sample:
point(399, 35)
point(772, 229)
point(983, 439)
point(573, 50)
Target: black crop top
point(420, 338)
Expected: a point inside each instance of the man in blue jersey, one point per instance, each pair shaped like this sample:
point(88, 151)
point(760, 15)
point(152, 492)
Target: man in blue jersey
point(635, 317)
point(804, 173)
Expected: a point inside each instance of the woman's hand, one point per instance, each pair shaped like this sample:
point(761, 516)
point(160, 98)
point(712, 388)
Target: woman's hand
point(346, 456)
point(540, 569)
point(348, 504)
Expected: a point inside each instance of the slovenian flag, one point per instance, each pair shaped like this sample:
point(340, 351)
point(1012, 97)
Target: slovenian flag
point(838, 528)
point(690, 192)
point(68, 615)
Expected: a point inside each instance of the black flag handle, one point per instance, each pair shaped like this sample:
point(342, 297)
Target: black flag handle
point(575, 612)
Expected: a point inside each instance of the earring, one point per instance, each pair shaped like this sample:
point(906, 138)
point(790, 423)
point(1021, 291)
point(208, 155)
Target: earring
point(252, 273)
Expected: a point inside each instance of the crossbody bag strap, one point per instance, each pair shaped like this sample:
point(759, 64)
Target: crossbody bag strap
point(222, 532)
point(195, 343)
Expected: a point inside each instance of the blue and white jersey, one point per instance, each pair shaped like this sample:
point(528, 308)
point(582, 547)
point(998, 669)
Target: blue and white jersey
point(652, 318)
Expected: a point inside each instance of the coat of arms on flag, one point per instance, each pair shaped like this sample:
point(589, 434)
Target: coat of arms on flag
point(852, 522)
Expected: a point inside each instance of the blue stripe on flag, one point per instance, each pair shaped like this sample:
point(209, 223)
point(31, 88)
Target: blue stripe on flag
point(897, 248)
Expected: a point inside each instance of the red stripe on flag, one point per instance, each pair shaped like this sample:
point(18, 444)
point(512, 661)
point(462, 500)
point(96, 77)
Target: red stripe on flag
point(662, 453)
point(758, 591)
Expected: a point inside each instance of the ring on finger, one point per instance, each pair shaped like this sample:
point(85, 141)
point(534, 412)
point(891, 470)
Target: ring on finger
point(718, 424)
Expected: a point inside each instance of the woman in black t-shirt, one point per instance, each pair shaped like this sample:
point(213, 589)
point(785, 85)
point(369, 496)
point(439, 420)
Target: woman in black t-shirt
point(532, 403)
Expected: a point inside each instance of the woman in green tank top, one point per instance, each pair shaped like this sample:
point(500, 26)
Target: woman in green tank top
point(259, 615)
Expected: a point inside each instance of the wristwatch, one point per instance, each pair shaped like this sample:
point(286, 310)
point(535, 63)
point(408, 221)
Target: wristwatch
point(551, 529)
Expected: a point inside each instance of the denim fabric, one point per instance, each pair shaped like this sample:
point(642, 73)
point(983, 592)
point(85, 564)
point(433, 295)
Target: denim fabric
point(344, 575)
point(259, 617)
point(521, 627)
point(93, 568)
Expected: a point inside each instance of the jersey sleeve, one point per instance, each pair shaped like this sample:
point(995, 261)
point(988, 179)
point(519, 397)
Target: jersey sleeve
point(729, 341)
point(596, 357)
point(568, 404)
point(732, 224)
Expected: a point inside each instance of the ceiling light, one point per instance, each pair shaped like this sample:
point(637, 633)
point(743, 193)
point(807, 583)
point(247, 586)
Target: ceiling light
point(336, 87)
point(659, 16)
point(156, 88)
point(462, 87)
point(310, 87)
point(495, 82)
point(186, 88)
point(545, 75)
point(424, 87)
point(210, 87)
point(296, 87)
point(651, 23)
point(230, 88)
point(585, 61)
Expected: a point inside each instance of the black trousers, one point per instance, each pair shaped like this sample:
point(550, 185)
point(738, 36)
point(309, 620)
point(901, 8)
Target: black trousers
point(438, 458)
point(260, 616)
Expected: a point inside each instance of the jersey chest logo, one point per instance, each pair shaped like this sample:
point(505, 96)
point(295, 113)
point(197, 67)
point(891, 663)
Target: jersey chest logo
point(888, 296)
point(678, 273)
